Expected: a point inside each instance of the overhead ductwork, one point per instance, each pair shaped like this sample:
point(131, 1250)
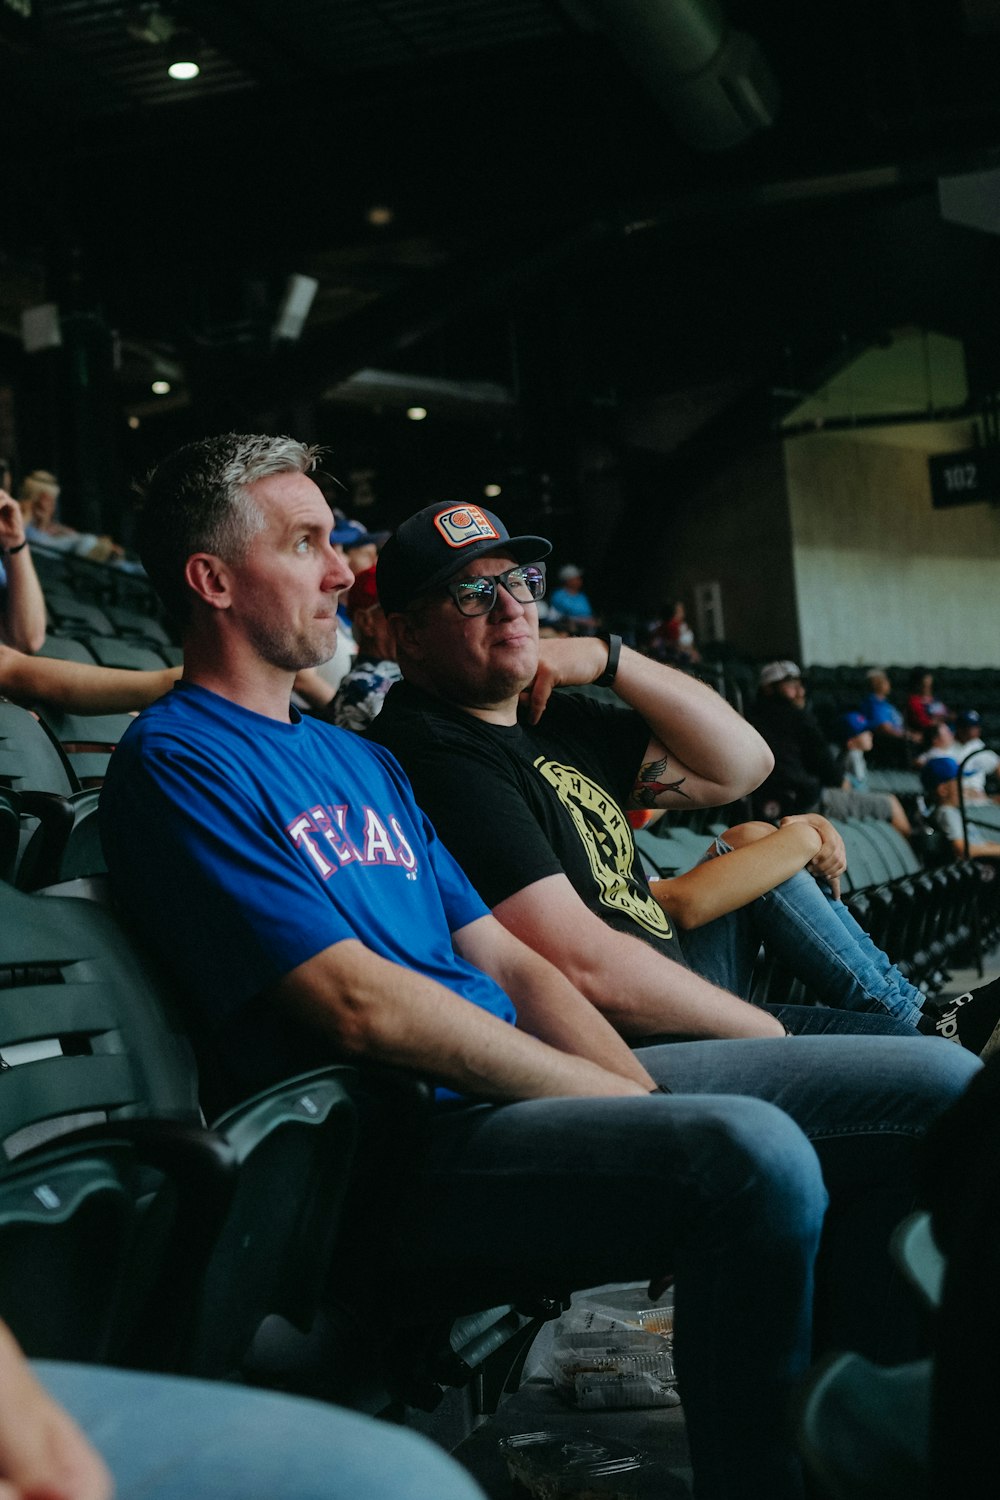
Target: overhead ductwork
point(712, 80)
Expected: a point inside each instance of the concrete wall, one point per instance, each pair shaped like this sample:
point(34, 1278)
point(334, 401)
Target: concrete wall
point(735, 530)
point(880, 576)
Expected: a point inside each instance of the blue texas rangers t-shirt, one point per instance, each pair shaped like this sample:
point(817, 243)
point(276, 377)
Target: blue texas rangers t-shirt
point(239, 847)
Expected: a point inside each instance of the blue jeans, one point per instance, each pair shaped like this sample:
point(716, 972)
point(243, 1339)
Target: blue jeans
point(815, 937)
point(165, 1438)
point(725, 1182)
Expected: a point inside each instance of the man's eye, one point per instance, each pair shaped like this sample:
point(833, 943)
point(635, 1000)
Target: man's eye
point(303, 544)
point(477, 588)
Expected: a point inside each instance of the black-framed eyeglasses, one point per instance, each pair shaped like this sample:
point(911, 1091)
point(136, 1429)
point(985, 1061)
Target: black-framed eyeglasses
point(477, 596)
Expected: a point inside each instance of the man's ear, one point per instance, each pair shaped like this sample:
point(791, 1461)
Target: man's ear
point(208, 577)
point(407, 637)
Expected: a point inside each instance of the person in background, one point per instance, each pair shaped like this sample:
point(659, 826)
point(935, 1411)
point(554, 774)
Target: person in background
point(937, 740)
point(22, 603)
point(39, 500)
point(854, 798)
point(570, 604)
point(373, 671)
point(940, 781)
point(890, 747)
point(672, 639)
point(923, 710)
point(803, 760)
point(806, 775)
point(360, 545)
point(969, 743)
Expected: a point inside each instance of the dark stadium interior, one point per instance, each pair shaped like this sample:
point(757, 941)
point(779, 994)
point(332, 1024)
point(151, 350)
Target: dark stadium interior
point(558, 250)
point(704, 291)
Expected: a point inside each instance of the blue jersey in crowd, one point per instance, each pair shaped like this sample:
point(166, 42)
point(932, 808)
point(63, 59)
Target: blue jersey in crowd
point(239, 847)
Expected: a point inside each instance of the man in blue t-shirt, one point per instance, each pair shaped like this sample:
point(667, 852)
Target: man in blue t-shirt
point(282, 869)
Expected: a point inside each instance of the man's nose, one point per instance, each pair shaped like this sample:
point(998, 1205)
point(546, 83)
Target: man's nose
point(338, 574)
point(505, 606)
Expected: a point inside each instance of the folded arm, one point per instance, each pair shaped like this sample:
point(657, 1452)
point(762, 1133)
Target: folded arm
point(701, 751)
point(374, 1008)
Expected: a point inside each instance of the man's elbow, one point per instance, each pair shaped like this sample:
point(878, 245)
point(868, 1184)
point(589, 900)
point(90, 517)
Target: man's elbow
point(763, 764)
point(600, 982)
point(348, 1022)
point(750, 769)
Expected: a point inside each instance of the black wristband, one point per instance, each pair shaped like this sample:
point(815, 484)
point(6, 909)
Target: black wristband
point(614, 645)
point(9, 551)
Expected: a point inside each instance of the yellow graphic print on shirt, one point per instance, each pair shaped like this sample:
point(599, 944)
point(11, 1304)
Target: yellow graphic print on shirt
point(607, 838)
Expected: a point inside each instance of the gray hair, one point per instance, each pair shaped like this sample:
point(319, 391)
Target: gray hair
point(197, 500)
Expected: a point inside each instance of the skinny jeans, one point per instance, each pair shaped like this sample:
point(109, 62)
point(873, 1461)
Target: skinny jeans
point(815, 937)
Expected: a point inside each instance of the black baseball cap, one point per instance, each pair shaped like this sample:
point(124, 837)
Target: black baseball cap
point(436, 543)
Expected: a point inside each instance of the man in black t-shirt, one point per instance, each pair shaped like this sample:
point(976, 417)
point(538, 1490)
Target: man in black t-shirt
point(530, 797)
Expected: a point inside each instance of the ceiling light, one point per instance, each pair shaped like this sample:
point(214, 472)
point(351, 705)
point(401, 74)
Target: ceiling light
point(183, 70)
point(380, 214)
point(416, 413)
point(161, 387)
point(133, 422)
point(491, 491)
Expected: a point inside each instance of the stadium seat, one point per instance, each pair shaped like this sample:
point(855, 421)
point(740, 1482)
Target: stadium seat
point(92, 1037)
point(66, 648)
point(112, 652)
point(94, 1040)
point(31, 759)
point(134, 622)
point(101, 1223)
point(10, 833)
point(77, 617)
point(60, 839)
point(86, 739)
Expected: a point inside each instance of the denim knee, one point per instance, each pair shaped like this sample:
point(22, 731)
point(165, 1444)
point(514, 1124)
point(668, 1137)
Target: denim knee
point(947, 1070)
point(753, 1157)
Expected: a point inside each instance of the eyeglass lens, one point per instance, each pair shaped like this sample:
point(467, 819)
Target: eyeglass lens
point(477, 596)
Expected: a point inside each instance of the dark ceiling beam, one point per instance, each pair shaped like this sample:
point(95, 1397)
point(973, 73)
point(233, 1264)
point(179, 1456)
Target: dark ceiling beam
point(274, 56)
point(305, 369)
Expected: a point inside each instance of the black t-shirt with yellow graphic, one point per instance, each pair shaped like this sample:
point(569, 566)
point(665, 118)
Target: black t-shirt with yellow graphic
point(516, 804)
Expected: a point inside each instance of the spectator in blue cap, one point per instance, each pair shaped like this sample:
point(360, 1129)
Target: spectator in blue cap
point(854, 797)
point(970, 743)
point(940, 782)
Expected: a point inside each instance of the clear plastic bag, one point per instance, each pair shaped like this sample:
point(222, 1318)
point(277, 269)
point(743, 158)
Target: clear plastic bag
point(584, 1466)
point(613, 1350)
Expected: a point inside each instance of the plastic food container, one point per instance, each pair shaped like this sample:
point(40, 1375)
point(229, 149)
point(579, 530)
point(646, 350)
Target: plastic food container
point(573, 1466)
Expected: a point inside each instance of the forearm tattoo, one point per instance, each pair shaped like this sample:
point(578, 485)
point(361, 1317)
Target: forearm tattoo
point(648, 786)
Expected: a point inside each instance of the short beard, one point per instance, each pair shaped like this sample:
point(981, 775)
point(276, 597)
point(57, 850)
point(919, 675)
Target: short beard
point(289, 652)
